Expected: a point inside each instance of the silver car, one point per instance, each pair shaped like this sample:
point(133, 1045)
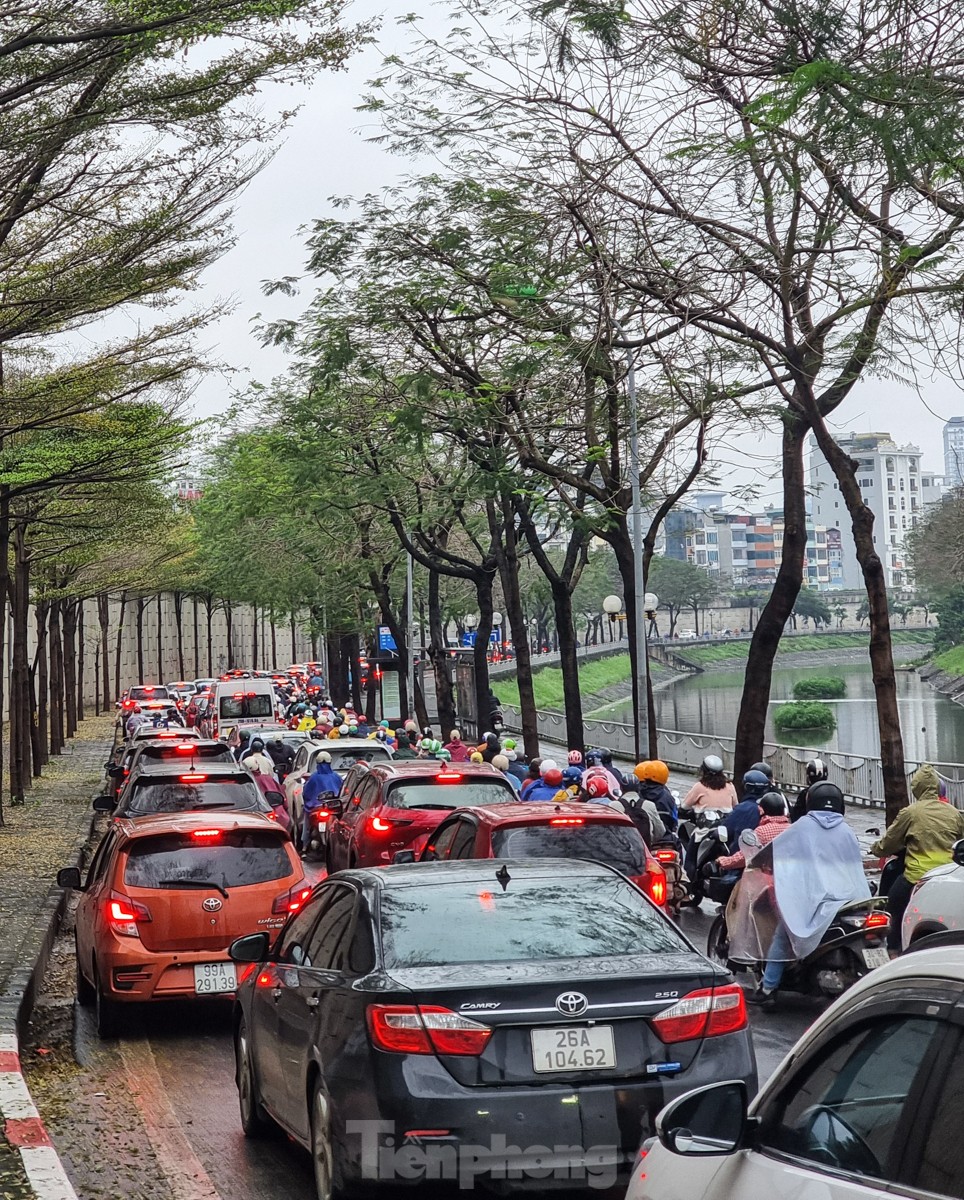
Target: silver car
point(345, 752)
point(937, 901)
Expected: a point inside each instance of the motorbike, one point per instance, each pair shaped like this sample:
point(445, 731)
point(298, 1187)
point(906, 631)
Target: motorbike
point(696, 827)
point(318, 822)
point(668, 853)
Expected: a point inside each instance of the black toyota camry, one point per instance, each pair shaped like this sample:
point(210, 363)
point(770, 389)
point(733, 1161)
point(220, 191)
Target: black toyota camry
point(515, 1023)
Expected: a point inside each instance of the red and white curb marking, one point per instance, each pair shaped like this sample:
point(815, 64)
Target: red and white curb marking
point(24, 1128)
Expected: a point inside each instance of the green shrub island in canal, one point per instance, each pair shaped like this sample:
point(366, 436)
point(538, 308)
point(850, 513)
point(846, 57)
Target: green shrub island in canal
point(820, 687)
point(804, 714)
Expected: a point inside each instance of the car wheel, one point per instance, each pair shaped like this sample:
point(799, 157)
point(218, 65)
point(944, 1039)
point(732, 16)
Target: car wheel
point(254, 1120)
point(718, 942)
point(322, 1150)
point(85, 989)
point(106, 1011)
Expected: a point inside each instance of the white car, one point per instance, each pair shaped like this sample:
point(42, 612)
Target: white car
point(345, 752)
point(866, 1106)
point(937, 901)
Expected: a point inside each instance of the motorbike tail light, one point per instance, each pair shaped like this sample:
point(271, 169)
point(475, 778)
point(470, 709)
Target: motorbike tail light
point(876, 920)
point(425, 1029)
point(124, 915)
point(708, 1012)
point(291, 901)
point(665, 856)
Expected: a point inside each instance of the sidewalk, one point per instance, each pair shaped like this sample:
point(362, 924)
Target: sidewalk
point(37, 838)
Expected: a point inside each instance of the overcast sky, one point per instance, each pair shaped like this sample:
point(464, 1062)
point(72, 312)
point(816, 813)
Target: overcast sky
point(326, 153)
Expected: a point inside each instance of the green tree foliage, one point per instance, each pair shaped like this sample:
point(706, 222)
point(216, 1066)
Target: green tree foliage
point(810, 605)
point(806, 714)
point(949, 608)
point(820, 687)
point(681, 585)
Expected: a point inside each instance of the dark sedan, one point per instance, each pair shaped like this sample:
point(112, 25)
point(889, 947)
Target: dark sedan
point(514, 1022)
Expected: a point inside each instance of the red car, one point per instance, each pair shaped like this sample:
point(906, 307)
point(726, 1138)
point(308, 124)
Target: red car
point(584, 831)
point(385, 807)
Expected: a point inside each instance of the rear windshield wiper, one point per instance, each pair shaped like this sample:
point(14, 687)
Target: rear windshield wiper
point(194, 883)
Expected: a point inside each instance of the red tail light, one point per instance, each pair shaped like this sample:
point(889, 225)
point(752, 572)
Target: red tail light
point(246, 972)
point(184, 748)
point(124, 915)
point(206, 835)
point(653, 882)
point(448, 776)
point(148, 689)
point(291, 901)
point(379, 825)
point(192, 778)
point(876, 920)
point(708, 1012)
point(567, 821)
point(425, 1029)
point(665, 856)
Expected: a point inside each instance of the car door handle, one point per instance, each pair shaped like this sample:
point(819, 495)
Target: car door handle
point(312, 1001)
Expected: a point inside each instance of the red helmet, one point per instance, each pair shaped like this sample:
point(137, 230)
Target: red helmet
point(553, 777)
point(597, 787)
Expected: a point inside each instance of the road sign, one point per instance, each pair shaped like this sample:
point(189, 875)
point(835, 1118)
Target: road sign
point(385, 639)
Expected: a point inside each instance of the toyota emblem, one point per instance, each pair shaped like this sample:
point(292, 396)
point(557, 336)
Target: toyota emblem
point(211, 904)
point(572, 1004)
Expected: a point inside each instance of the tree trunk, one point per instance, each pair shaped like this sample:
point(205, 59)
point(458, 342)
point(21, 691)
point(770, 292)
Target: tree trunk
point(35, 749)
point(881, 649)
point(294, 640)
point(569, 663)
point(751, 723)
point(338, 679)
point(229, 621)
point(197, 638)
point(480, 651)
point(161, 673)
point(97, 657)
point(139, 625)
point(209, 616)
point(505, 546)
point(42, 674)
point(81, 658)
point(4, 598)
point(117, 650)
point(69, 617)
point(56, 680)
point(254, 637)
point(273, 665)
point(349, 653)
point(439, 657)
point(21, 714)
point(179, 632)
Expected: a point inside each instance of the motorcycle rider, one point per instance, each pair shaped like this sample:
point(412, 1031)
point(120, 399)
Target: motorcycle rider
point(653, 775)
point(323, 780)
point(925, 833)
point(712, 789)
point(501, 763)
point(489, 747)
point(747, 814)
point(545, 788)
point(281, 754)
point(456, 747)
point(816, 771)
point(256, 754)
point(596, 767)
point(817, 868)
point(773, 821)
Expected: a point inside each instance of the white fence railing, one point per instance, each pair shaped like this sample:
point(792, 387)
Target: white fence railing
point(859, 776)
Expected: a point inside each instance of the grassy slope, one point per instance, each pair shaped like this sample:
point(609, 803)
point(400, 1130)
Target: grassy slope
point(547, 683)
point(951, 661)
point(701, 655)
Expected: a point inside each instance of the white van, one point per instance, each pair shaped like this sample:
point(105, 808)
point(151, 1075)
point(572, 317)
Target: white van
point(241, 702)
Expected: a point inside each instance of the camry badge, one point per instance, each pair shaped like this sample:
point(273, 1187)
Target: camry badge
point(572, 1004)
point(211, 904)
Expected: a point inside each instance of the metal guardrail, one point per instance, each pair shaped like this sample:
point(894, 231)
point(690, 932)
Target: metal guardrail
point(858, 776)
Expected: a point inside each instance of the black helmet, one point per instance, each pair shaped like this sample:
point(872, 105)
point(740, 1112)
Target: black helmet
point(257, 744)
point(816, 769)
point(765, 768)
point(606, 757)
point(243, 737)
point(755, 783)
point(594, 758)
point(825, 797)
point(772, 804)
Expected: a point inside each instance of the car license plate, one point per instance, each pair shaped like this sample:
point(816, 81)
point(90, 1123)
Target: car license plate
point(573, 1048)
point(210, 978)
point(876, 958)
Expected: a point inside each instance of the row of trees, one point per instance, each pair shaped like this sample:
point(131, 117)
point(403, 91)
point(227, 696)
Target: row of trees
point(125, 140)
point(756, 209)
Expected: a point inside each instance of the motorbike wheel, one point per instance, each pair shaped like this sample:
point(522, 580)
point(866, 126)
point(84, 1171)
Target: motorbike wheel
point(718, 941)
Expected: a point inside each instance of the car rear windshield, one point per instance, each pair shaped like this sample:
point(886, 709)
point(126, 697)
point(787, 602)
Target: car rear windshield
point(257, 705)
point(149, 693)
point(232, 859)
point(345, 758)
point(465, 793)
point(172, 750)
point(177, 795)
point(618, 846)
point(532, 920)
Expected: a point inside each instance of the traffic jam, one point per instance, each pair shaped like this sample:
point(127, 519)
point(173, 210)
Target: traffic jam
point(419, 963)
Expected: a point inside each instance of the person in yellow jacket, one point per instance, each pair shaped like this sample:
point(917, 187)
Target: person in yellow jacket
point(924, 833)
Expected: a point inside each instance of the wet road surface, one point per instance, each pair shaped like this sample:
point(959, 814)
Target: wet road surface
point(154, 1114)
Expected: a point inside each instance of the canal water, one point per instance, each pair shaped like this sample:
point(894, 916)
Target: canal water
point(932, 725)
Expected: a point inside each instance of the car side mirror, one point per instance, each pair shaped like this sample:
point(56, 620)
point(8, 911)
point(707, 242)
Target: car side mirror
point(403, 856)
point(252, 948)
point(429, 854)
point(275, 798)
point(68, 877)
point(115, 770)
point(708, 1121)
point(957, 853)
point(335, 806)
point(103, 804)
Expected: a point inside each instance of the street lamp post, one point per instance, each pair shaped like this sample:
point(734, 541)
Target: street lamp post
point(611, 606)
point(641, 677)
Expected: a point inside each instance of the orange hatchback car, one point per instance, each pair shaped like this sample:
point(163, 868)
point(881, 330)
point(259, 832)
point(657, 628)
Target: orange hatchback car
point(164, 898)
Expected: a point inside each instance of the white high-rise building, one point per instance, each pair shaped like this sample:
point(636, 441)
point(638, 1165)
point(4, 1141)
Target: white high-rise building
point(954, 452)
point(894, 487)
